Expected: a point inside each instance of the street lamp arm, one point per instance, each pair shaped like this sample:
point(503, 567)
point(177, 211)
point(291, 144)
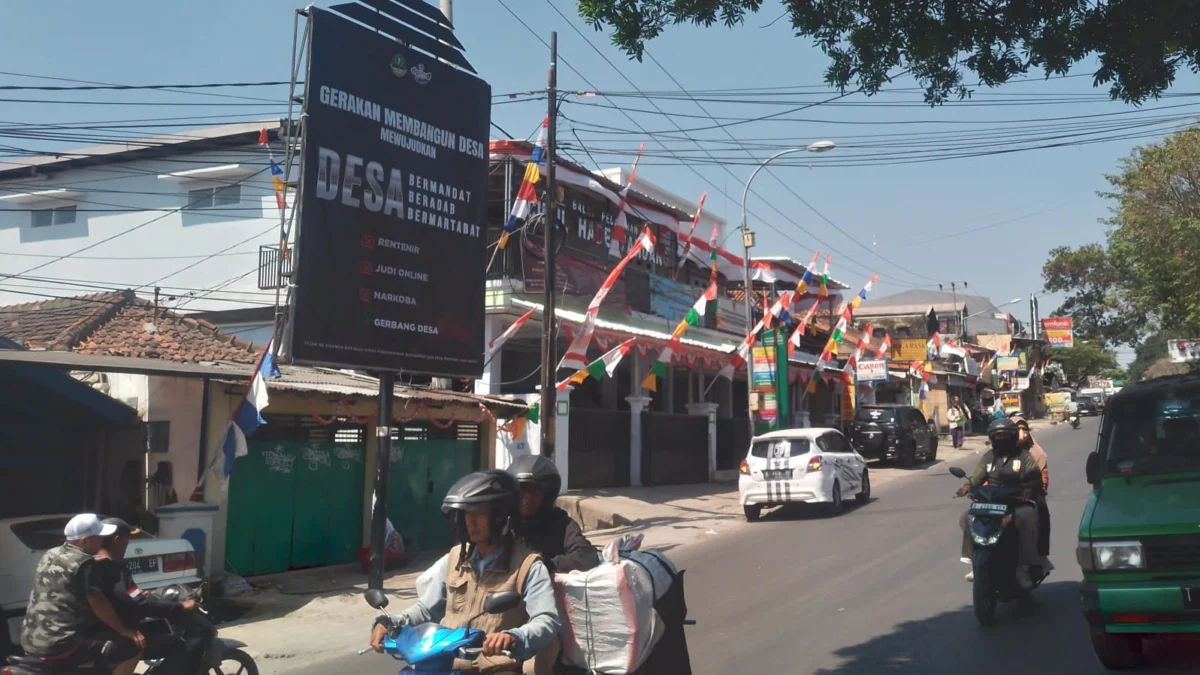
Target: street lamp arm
point(760, 167)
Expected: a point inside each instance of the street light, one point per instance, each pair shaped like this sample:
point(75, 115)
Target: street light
point(1003, 304)
point(748, 243)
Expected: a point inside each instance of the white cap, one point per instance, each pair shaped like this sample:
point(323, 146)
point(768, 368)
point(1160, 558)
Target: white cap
point(87, 525)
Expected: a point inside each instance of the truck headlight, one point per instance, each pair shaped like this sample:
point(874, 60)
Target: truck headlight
point(1118, 555)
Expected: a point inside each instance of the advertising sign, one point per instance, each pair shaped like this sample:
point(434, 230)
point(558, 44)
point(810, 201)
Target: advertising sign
point(873, 370)
point(1057, 401)
point(909, 349)
point(392, 249)
point(1011, 401)
point(1058, 331)
point(1008, 363)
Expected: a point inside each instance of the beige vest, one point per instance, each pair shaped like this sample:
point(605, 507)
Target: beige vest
point(465, 595)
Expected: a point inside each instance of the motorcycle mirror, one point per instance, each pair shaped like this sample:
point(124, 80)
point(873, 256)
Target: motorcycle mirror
point(376, 598)
point(499, 603)
point(957, 472)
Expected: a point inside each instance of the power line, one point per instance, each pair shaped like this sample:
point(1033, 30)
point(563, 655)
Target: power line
point(670, 119)
point(138, 87)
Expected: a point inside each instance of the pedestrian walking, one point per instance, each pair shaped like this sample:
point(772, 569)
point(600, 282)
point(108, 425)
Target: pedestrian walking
point(955, 417)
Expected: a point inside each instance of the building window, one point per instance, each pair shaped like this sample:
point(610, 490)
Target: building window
point(206, 198)
point(62, 215)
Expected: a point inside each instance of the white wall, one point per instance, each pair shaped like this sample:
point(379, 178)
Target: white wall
point(127, 197)
point(180, 401)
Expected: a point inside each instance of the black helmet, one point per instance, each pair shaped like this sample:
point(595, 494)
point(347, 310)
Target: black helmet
point(541, 472)
point(1003, 435)
point(494, 488)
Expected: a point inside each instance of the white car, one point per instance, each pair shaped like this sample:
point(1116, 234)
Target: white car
point(810, 466)
point(154, 563)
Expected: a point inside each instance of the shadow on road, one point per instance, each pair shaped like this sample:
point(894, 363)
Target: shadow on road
point(1051, 639)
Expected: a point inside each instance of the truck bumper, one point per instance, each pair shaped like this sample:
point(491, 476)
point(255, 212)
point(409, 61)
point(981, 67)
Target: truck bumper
point(1146, 607)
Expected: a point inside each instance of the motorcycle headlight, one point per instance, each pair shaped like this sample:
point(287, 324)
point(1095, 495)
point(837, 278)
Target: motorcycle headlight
point(986, 541)
point(1118, 555)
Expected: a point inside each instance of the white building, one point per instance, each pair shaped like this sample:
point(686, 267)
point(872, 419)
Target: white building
point(193, 213)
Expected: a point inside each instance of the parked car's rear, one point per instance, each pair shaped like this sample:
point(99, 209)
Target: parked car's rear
point(154, 562)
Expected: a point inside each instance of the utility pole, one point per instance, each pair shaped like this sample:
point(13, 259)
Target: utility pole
point(549, 223)
point(1032, 320)
point(958, 316)
point(383, 458)
point(747, 244)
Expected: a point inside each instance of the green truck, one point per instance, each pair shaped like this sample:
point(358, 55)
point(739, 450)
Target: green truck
point(1139, 539)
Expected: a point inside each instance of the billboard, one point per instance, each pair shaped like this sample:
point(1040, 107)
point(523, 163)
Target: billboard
point(910, 349)
point(1007, 363)
point(873, 370)
point(1058, 331)
point(392, 239)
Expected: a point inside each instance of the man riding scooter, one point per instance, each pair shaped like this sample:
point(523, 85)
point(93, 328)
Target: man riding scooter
point(1006, 462)
point(546, 528)
point(131, 604)
point(488, 559)
point(70, 622)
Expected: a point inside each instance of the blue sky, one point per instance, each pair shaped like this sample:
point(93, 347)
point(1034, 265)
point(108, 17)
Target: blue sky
point(915, 212)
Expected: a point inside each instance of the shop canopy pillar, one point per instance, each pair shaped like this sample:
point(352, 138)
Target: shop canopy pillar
point(637, 405)
point(489, 382)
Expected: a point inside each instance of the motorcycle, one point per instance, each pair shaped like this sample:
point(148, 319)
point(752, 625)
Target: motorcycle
point(990, 526)
point(199, 649)
point(1074, 420)
point(431, 648)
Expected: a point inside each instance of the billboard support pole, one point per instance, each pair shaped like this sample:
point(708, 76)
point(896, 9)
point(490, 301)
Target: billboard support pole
point(550, 221)
point(383, 458)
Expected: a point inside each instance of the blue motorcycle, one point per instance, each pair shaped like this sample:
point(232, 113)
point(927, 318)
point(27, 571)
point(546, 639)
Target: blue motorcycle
point(431, 648)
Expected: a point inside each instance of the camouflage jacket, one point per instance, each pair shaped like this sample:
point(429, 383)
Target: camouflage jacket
point(58, 609)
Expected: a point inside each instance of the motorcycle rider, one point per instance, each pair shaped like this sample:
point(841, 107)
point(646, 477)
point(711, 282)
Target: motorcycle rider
point(488, 558)
point(69, 621)
point(1007, 462)
point(131, 604)
point(1073, 410)
point(1025, 441)
point(545, 528)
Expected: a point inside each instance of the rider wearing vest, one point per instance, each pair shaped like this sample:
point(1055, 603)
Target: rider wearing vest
point(488, 559)
point(69, 621)
point(1008, 463)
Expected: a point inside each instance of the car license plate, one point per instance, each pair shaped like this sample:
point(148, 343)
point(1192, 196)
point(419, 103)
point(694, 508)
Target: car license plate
point(778, 474)
point(1191, 598)
point(989, 509)
point(142, 565)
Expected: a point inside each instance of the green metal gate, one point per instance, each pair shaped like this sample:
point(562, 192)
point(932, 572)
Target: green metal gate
point(296, 502)
point(425, 462)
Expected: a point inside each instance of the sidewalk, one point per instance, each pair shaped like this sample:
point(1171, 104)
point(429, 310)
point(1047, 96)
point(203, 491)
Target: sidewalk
point(316, 615)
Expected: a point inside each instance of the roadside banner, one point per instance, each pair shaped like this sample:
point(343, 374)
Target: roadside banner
point(1058, 331)
point(873, 370)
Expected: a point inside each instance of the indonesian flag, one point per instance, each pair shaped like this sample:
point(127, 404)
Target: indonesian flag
point(498, 341)
point(687, 245)
point(741, 356)
point(576, 356)
point(802, 327)
point(807, 277)
point(527, 194)
point(605, 365)
point(618, 235)
point(884, 346)
point(934, 345)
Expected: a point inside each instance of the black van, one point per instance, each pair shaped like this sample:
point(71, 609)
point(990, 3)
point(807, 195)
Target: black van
point(893, 432)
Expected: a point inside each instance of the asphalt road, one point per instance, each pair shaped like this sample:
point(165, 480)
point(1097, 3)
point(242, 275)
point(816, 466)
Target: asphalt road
point(880, 589)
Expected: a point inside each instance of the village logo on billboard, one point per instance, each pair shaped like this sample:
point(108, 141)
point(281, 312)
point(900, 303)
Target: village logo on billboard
point(421, 75)
point(392, 247)
point(399, 65)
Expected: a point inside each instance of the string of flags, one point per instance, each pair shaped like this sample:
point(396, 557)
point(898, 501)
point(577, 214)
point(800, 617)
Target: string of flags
point(835, 337)
point(659, 368)
point(601, 367)
point(527, 193)
point(576, 355)
point(687, 246)
point(498, 341)
point(618, 234)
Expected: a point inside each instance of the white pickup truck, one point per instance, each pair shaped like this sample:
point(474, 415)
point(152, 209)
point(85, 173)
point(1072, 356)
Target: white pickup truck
point(153, 562)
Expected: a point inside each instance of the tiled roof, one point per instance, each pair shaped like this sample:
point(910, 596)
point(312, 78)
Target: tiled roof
point(120, 324)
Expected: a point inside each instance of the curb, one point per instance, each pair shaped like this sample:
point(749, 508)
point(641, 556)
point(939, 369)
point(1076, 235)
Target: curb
point(592, 514)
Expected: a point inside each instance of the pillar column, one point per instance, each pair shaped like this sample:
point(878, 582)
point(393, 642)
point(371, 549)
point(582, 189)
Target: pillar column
point(637, 405)
point(709, 412)
point(489, 382)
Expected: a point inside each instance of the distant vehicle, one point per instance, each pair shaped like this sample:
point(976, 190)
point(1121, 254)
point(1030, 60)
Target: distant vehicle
point(1139, 547)
point(1097, 395)
point(810, 466)
point(1087, 406)
point(155, 563)
point(896, 432)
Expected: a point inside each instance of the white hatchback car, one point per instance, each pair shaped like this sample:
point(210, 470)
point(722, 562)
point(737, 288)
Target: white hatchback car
point(811, 466)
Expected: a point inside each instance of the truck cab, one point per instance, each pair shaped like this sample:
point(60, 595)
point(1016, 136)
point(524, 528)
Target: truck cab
point(1139, 538)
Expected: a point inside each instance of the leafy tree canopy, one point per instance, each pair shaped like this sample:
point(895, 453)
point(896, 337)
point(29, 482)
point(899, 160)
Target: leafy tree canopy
point(1140, 44)
point(1084, 360)
point(1093, 284)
